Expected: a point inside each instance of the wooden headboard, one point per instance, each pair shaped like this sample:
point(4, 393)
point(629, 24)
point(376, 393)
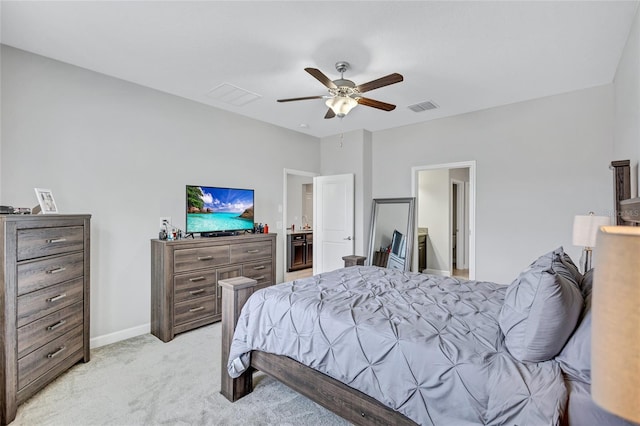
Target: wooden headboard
point(627, 209)
point(630, 210)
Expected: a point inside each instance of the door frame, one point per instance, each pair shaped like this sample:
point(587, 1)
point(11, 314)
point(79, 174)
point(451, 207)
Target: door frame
point(471, 165)
point(285, 200)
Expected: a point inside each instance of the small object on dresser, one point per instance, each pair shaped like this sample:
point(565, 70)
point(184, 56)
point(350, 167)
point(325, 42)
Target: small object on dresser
point(6, 210)
point(266, 228)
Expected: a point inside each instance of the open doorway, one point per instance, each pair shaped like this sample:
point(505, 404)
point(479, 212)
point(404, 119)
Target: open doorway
point(459, 225)
point(445, 219)
point(298, 220)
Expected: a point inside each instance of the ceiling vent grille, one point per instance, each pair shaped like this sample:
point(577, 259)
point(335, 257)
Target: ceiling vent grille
point(233, 95)
point(423, 106)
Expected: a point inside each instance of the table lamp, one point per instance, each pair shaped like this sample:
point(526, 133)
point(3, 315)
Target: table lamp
point(615, 340)
point(585, 228)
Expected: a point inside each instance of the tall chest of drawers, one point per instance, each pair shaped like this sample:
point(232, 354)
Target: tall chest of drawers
point(184, 277)
point(44, 309)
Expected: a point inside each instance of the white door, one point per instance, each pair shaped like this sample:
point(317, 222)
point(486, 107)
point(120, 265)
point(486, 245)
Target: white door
point(333, 213)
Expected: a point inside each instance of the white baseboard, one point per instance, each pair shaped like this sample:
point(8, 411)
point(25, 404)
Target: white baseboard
point(437, 272)
point(107, 339)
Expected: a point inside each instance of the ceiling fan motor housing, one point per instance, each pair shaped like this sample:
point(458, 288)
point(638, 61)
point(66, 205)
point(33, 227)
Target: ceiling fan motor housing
point(345, 88)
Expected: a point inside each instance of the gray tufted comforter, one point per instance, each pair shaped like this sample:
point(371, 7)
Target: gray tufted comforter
point(427, 346)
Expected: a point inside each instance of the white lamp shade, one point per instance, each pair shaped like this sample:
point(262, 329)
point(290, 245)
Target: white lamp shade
point(341, 105)
point(585, 229)
point(615, 341)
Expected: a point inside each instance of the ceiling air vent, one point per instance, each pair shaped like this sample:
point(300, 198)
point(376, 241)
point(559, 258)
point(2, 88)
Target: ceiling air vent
point(230, 94)
point(423, 106)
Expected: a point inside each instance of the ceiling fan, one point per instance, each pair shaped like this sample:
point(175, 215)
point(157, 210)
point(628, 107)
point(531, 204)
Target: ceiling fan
point(344, 94)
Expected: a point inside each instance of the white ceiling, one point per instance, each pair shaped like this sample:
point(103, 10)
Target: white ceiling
point(464, 56)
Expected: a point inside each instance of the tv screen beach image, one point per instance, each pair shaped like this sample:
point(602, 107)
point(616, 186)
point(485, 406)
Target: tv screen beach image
point(211, 209)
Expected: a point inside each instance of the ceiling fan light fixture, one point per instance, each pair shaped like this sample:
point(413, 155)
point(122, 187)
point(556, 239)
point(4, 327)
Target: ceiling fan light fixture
point(341, 105)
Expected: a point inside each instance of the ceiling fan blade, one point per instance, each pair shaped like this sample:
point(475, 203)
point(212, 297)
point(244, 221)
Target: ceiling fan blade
point(321, 77)
point(300, 99)
point(381, 82)
point(376, 104)
point(330, 114)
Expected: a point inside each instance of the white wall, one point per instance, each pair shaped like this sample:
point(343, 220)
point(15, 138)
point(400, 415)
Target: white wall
point(295, 201)
point(124, 153)
point(539, 163)
point(434, 214)
point(627, 104)
point(460, 174)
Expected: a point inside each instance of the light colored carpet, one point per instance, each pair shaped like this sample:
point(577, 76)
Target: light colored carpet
point(143, 381)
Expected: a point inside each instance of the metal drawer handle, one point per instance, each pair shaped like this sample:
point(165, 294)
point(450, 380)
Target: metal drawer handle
point(259, 267)
point(253, 251)
point(55, 271)
point(193, 280)
point(56, 298)
point(261, 277)
point(199, 308)
point(194, 292)
point(205, 257)
point(56, 240)
point(56, 325)
point(56, 353)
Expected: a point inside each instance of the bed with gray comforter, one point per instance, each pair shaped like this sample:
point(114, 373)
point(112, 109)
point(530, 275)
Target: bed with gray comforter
point(430, 347)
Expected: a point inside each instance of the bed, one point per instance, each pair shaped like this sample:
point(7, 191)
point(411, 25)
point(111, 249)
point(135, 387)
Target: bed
point(381, 346)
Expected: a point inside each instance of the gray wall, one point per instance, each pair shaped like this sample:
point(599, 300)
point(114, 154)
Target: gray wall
point(351, 153)
point(124, 153)
point(627, 104)
point(539, 163)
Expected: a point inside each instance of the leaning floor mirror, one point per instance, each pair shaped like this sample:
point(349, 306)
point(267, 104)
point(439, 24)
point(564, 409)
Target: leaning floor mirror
point(391, 234)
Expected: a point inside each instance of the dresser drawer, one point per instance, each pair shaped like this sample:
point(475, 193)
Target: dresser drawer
point(247, 252)
point(191, 286)
point(38, 274)
point(259, 271)
point(42, 331)
point(48, 356)
point(194, 309)
point(186, 260)
point(33, 306)
point(39, 242)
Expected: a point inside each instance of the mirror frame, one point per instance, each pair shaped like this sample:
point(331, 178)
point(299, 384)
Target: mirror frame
point(410, 202)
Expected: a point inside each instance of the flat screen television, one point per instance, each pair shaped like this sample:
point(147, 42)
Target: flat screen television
point(212, 210)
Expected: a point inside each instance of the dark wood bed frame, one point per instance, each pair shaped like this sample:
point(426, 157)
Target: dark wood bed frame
point(335, 396)
point(347, 402)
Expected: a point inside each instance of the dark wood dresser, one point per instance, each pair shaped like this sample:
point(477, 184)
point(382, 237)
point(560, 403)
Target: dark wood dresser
point(184, 277)
point(45, 302)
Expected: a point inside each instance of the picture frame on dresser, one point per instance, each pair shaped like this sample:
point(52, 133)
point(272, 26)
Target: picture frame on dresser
point(47, 205)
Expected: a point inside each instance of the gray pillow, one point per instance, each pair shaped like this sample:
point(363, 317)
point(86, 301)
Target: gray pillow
point(541, 309)
point(586, 284)
point(575, 357)
point(571, 267)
